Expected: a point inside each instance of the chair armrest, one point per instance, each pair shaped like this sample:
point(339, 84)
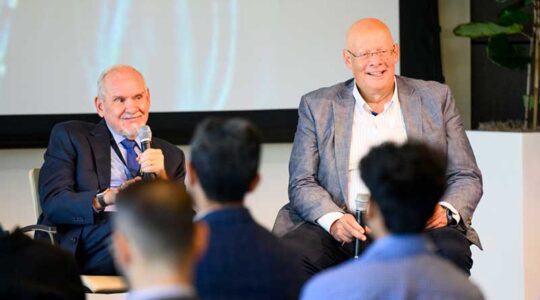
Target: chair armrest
point(50, 230)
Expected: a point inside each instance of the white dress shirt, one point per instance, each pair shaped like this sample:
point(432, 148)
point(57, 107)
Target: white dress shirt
point(369, 130)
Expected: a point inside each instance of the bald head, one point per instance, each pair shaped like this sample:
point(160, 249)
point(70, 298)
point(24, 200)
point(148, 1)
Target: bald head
point(369, 28)
point(116, 70)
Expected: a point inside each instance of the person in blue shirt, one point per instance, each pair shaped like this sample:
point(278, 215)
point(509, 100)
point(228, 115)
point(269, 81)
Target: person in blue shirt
point(406, 182)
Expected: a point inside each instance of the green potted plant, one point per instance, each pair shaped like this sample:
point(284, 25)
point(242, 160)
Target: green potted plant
point(509, 161)
point(516, 18)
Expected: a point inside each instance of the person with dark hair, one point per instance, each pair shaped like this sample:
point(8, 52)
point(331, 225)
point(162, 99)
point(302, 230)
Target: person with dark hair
point(406, 183)
point(155, 241)
point(86, 164)
point(243, 260)
point(337, 126)
point(36, 270)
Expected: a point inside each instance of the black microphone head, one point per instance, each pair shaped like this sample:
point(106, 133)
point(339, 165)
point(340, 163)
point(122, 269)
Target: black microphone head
point(144, 134)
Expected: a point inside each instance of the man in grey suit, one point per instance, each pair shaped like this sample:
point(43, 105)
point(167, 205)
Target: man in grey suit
point(338, 125)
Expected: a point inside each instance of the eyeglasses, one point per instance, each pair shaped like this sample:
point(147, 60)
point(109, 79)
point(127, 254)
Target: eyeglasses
point(384, 54)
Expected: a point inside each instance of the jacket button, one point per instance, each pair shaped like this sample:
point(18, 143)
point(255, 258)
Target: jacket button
point(73, 240)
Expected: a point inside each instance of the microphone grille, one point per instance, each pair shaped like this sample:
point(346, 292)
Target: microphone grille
point(144, 133)
point(362, 202)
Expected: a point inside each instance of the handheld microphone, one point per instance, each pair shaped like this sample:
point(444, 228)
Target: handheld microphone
point(145, 136)
point(362, 202)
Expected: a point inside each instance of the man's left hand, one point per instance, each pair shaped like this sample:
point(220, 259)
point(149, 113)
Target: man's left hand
point(438, 219)
point(153, 161)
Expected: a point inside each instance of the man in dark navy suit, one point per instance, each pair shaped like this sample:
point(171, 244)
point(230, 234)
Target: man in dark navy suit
point(87, 164)
point(243, 260)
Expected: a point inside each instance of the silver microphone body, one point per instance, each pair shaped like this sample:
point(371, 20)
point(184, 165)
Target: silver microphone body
point(145, 137)
point(362, 203)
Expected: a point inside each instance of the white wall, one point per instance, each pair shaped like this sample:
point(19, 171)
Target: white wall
point(501, 260)
point(507, 217)
point(196, 55)
point(15, 201)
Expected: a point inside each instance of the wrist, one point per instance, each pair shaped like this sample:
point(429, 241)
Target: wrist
point(450, 221)
point(100, 200)
point(327, 220)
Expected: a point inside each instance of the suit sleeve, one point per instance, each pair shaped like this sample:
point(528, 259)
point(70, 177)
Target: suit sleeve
point(464, 178)
point(307, 197)
point(175, 162)
point(60, 200)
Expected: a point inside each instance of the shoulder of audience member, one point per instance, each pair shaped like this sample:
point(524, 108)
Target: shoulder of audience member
point(17, 240)
point(38, 253)
point(456, 279)
point(323, 285)
point(28, 261)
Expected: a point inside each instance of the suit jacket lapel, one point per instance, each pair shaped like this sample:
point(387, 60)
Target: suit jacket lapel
point(99, 139)
point(343, 109)
point(411, 108)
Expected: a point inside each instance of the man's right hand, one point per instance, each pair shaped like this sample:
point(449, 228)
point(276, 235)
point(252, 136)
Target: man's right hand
point(345, 229)
point(110, 195)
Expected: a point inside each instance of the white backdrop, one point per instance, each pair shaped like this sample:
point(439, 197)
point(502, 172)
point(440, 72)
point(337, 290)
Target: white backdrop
point(196, 55)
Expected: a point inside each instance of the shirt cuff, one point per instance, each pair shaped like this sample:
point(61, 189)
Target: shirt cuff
point(455, 213)
point(328, 219)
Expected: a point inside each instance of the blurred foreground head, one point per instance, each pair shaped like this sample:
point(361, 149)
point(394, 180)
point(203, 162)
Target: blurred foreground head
point(154, 230)
point(225, 158)
point(405, 182)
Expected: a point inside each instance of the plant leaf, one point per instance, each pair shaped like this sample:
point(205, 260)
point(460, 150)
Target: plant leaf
point(502, 53)
point(476, 30)
point(530, 99)
point(509, 16)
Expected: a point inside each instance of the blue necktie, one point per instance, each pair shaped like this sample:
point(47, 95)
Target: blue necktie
point(132, 164)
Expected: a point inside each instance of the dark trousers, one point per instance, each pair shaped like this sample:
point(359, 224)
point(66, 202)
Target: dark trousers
point(319, 250)
point(94, 249)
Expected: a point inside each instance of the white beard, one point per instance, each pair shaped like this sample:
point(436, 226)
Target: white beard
point(131, 131)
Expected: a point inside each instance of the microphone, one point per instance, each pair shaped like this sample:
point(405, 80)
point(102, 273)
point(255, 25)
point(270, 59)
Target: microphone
point(145, 137)
point(362, 202)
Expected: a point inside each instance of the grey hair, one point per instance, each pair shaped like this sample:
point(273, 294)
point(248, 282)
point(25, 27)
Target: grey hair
point(113, 68)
